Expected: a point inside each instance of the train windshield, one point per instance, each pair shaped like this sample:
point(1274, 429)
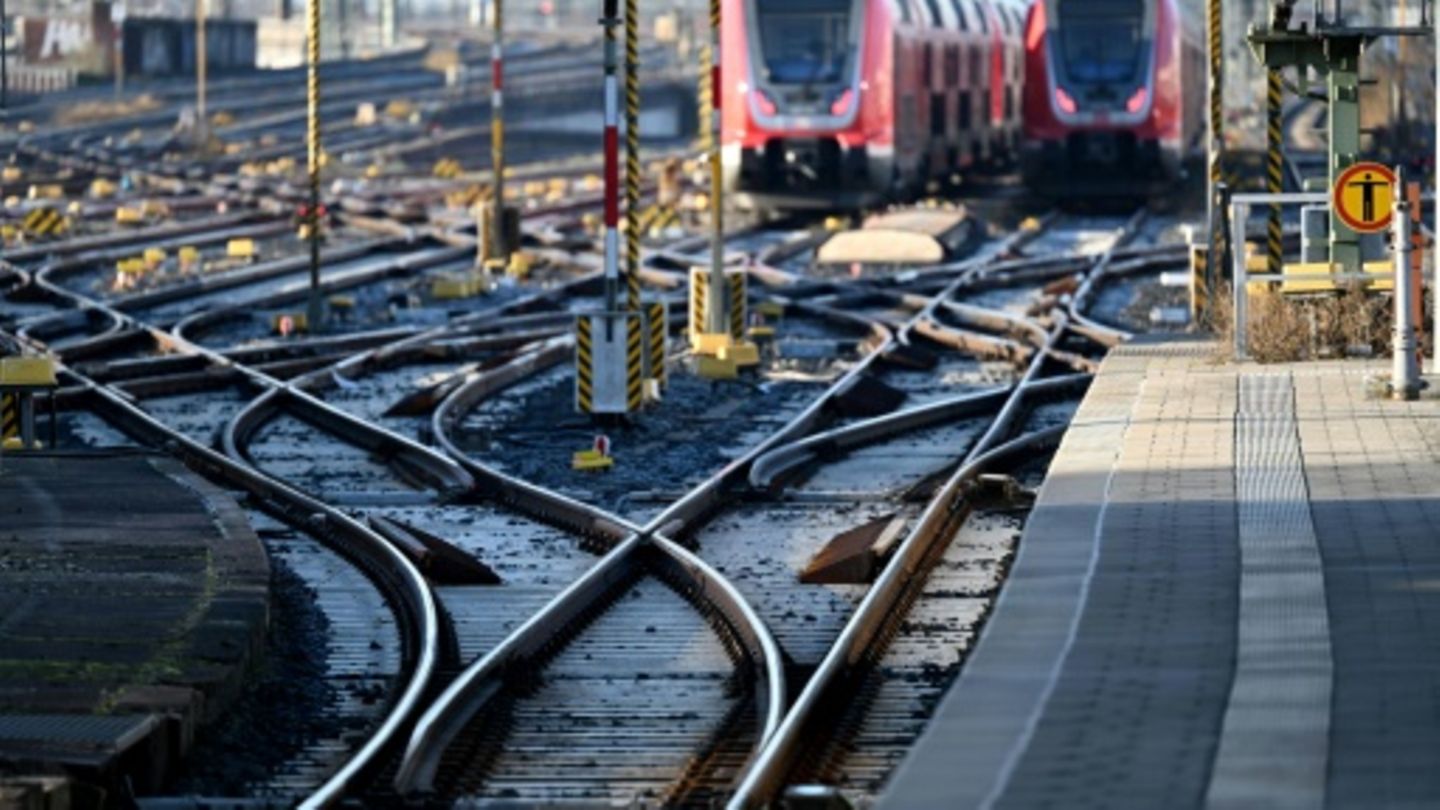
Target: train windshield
point(1100, 40)
point(804, 41)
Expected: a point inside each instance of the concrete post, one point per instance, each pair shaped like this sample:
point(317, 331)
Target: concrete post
point(1240, 214)
point(389, 22)
point(4, 62)
point(201, 57)
point(1405, 370)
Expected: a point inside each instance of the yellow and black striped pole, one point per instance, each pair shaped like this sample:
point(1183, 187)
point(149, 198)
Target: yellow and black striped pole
point(312, 152)
point(1274, 173)
point(716, 323)
point(1216, 120)
point(704, 106)
point(496, 248)
point(632, 155)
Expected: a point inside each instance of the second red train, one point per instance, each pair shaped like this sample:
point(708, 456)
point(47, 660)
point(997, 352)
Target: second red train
point(842, 103)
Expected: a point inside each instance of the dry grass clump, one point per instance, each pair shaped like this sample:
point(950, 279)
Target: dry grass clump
point(1280, 331)
point(1354, 323)
point(1285, 329)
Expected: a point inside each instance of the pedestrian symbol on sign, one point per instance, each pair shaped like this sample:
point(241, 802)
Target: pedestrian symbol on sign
point(1363, 197)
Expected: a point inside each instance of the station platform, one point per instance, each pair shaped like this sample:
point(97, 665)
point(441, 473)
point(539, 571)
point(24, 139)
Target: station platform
point(134, 597)
point(1227, 596)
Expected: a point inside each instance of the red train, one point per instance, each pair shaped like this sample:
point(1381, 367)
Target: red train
point(835, 103)
point(1114, 95)
point(841, 103)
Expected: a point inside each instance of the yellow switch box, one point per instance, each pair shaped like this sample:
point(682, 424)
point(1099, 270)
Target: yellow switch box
point(590, 461)
point(32, 370)
point(240, 248)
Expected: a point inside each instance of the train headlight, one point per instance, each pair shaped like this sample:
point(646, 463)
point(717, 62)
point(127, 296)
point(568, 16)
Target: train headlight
point(1065, 102)
point(765, 103)
point(1136, 103)
point(841, 104)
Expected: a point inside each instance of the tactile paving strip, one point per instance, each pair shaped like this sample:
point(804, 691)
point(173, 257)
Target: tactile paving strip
point(1274, 743)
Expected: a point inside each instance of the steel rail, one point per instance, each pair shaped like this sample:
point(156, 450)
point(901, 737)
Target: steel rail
point(65, 322)
point(772, 468)
point(765, 776)
point(441, 470)
point(467, 695)
point(1109, 336)
point(178, 230)
point(417, 612)
point(704, 583)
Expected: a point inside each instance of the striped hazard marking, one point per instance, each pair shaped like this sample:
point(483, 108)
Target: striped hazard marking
point(44, 221)
point(699, 300)
point(9, 416)
point(737, 304)
point(634, 362)
point(584, 367)
point(658, 334)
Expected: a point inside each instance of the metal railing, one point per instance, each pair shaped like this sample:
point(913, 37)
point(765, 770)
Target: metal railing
point(1240, 209)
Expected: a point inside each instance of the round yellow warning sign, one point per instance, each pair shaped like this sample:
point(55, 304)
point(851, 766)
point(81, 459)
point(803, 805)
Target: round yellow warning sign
point(1364, 196)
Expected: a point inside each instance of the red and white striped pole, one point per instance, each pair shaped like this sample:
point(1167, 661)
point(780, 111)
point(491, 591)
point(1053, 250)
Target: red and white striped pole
point(498, 249)
point(612, 159)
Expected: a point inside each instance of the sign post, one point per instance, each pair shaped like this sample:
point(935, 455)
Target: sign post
point(1364, 199)
point(1405, 368)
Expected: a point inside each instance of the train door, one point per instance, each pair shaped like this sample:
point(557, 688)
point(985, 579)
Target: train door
point(965, 45)
point(995, 88)
point(906, 82)
point(980, 79)
point(1014, 78)
point(944, 88)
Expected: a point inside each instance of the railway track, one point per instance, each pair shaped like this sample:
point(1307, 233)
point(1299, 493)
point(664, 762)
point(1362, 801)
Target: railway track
point(503, 633)
point(488, 700)
point(201, 410)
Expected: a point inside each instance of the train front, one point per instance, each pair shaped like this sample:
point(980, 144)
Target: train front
point(1102, 97)
point(802, 123)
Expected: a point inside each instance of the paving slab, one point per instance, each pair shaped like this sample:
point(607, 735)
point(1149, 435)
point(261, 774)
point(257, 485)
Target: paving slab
point(134, 598)
point(1227, 596)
